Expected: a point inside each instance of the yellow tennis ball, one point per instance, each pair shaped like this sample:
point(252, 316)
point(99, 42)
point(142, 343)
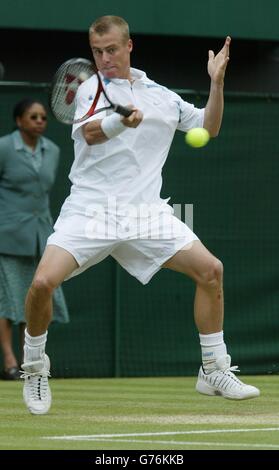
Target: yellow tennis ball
point(197, 137)
point(83, 76)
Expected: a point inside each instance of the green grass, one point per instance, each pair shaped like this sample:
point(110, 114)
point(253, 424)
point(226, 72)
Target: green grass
point(140, 405)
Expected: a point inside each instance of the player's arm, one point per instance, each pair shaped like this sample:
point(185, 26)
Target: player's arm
point(93, 133)
point(101, 130)
point(215, 105)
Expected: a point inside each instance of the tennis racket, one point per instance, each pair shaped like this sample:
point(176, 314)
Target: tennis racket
point(70, 75)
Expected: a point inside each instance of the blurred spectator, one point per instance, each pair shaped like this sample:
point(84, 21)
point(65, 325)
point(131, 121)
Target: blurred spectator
point(28, 165)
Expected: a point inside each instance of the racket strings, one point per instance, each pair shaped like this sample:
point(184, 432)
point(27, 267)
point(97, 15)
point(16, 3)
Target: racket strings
point(67, 80)
point(64, 88)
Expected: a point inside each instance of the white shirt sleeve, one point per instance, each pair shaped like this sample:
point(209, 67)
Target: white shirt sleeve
point(189, 115)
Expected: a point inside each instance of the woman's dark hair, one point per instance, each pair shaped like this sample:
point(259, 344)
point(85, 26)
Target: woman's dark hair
point(22, 106)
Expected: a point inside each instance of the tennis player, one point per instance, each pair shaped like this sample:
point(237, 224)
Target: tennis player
point(115, 208)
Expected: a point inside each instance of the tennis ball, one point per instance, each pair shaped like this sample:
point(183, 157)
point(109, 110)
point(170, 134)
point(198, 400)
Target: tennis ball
point(197, 137)
point(83, 76)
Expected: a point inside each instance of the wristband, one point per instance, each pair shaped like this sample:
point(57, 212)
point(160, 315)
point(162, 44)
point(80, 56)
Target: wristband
point(112, 125)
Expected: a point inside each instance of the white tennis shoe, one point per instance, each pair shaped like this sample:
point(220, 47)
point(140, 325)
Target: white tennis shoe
point(36, 391)
point(222, 381)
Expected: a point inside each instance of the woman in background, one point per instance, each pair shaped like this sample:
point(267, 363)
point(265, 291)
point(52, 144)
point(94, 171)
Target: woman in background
point(28, 166)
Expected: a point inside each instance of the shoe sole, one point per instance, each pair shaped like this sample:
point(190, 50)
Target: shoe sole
point(206, 389)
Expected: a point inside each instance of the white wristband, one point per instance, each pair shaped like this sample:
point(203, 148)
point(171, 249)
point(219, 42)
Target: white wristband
point(112, 125)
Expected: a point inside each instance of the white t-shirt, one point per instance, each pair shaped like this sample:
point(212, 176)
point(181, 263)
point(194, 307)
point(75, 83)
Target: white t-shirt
point(127, 168)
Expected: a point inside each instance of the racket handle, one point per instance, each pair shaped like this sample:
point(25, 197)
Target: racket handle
point(126, 112)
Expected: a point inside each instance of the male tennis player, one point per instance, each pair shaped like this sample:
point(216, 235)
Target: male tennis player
point(115, 208)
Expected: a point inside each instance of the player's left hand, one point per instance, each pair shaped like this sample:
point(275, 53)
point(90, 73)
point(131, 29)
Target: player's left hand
point(217, 64)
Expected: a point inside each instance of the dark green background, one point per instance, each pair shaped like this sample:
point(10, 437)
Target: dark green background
point(118, 326)
point(253, 19)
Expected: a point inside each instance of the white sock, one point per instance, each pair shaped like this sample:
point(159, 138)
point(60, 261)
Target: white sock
point(212, 347)
point(34, 347)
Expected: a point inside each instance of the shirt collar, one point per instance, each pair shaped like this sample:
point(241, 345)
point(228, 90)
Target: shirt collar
point(136, 74)
point(19, 143)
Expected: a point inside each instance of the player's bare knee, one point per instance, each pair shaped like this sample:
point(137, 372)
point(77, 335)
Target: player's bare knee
point(212, 277)
point(42, 285)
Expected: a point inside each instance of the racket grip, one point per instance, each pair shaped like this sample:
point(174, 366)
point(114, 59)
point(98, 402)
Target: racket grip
point(126, 112)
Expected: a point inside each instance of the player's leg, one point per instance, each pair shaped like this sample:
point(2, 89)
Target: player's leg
point(215, 375)
point(55, 265)
point(198, 263)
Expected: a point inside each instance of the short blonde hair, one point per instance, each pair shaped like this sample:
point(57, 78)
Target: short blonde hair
point(103, 24)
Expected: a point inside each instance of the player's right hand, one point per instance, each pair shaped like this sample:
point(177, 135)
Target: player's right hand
point(134, 119)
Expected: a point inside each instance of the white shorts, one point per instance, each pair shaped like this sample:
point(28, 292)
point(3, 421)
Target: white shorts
point(140, 246)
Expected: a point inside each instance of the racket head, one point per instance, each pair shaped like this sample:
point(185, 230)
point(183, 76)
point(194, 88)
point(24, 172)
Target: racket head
point(69, 76)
